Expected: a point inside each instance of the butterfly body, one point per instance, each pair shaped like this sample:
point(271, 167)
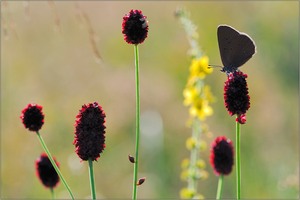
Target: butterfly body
point(236, 48)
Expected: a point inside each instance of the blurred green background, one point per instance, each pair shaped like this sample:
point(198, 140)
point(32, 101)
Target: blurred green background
point(49, 56)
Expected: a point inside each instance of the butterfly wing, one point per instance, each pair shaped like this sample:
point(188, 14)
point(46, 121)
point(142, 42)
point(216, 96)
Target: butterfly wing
point(235, 48)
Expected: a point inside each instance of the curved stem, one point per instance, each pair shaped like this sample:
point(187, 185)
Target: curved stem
point(220, 187)
point(137, 131)
point(92, 181)
point(54, 164)
point(238, 161)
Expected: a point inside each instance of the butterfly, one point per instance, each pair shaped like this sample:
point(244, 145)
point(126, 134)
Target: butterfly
point(236, 48)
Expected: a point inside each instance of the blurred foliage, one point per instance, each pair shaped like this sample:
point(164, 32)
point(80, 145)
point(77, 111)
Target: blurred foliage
point(49, 56)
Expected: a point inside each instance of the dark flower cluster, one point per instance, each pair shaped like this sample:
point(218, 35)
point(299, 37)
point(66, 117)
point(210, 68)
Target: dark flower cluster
point(221, 157)
point(90, 132)
point(135, 27)
point(46, 172)
point(236, 97)
point(32, 117)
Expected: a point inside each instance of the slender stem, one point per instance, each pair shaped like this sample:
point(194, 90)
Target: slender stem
point(54, 164)
point(137, 131)
point(92, 181)
point(238, 161)
point(52, 193)
point(220, 187)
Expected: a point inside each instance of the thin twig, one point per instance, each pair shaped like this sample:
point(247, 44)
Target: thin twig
point(56, 17)
point(92, 35)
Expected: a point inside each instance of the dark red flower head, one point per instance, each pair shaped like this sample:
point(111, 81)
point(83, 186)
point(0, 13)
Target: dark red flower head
point(90, 131)
point(221, 155)
point(46, 172)
point(32, 117)
point(236, 97)
point(135, 27)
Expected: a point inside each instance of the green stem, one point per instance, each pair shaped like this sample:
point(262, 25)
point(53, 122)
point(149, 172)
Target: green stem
point(238, 161)
point(220, 187)
point(92, 181)
point(52, 193)
point(54, 164)
point(137, 131)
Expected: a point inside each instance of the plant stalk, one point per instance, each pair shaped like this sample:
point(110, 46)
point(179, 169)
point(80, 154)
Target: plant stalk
point(54, 164)
point(92, 181)
point(196, 132)
point(52, 193)
point(220, 187)
point(238, 161)
point(137, 131)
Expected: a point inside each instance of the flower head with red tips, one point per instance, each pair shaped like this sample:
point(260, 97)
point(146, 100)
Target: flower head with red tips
point(236, 95)
point(46, 172)
point(32, 117)
point(135, 27)
point(90, 131)
point(221, 155)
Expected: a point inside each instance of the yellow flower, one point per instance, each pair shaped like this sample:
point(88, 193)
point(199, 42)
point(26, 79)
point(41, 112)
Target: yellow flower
point(190, 94)
point(201, 164)
point(199, 67)
point(190, 143)
point(187, 193)
point(201, 109)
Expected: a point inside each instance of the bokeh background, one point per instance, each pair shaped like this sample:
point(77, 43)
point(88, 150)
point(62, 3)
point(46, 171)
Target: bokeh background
point(64, 54)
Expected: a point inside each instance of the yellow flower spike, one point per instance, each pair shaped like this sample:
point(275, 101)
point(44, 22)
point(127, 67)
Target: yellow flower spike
point(191, 143)
point(197, 98)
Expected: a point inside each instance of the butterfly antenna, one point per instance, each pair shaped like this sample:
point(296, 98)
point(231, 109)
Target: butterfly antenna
point(214, 66)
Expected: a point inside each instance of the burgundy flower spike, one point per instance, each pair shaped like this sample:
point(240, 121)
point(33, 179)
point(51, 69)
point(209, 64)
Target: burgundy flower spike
point(32, 117)
point(46, 172)
point(135, 27)
point(221, 155)
point(90, 131)
point(236, 96)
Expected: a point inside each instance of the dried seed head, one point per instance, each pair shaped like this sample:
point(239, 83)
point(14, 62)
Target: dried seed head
point(236, 97)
